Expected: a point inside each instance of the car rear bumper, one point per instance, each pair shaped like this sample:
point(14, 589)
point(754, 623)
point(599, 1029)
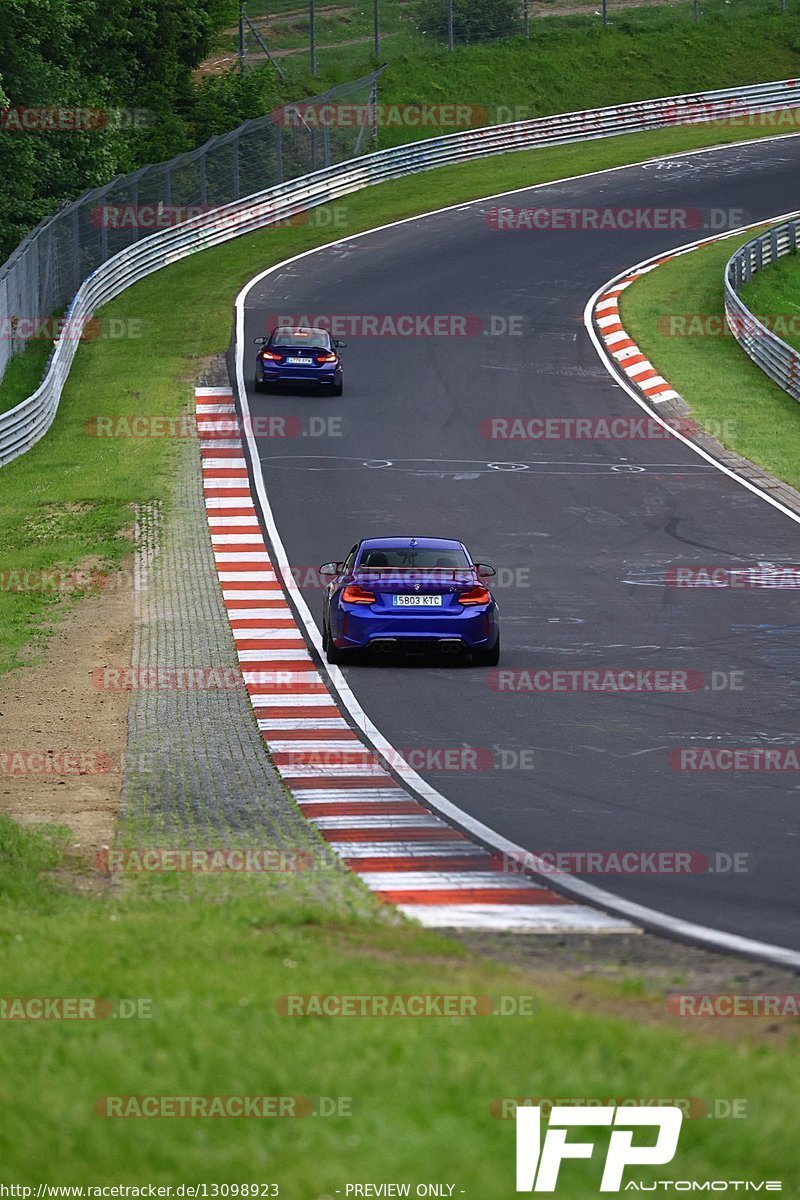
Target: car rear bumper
point(473, 630)
point(293, 377)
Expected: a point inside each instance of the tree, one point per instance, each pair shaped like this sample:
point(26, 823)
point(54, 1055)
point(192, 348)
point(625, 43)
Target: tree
point(127, 67)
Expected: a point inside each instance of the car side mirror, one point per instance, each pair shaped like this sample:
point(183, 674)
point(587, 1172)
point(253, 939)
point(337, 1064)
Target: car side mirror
point(328, 570)
point(340, 345)
point(262, 341)
point(485, 570)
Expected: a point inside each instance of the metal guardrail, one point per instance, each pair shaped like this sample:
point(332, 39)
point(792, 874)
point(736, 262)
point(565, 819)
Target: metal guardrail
point(23, 426)
point(775, 357)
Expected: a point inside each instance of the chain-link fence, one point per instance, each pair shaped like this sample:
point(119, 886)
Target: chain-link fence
point(296, 35)
point(44, 272)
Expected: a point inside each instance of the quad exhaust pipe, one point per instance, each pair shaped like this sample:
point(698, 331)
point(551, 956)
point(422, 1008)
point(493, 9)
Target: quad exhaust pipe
point(390, 645)
point(384, 645)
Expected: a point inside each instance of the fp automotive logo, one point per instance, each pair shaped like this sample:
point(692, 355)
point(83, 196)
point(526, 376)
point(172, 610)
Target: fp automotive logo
point(538, 1161)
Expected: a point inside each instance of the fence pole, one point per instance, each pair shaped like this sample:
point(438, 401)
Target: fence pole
point(312, 37)
point(373, 104)
point(235, 180)
point(76, 249)
point(377, 19)
point(449, 24)
point(527, 16)
point(278, 154)
point(241, 37)
point(605, 12)
point(697, 10)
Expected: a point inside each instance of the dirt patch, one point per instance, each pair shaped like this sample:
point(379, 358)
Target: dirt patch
point(62, 739)
point(631, 976)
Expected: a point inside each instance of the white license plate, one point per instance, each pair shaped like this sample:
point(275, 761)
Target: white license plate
point(299, 362)
point(417, 601)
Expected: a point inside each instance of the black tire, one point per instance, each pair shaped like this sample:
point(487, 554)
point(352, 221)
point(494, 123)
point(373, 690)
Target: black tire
point(258, 385)
point(487, 658)
point(332, 654)
point(337, 389)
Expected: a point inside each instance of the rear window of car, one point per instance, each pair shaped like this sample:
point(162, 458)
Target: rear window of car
point(310, 338)
point(423, 558)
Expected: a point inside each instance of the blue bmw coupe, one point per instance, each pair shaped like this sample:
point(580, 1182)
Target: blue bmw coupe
point(410, 594)
point(301, 356)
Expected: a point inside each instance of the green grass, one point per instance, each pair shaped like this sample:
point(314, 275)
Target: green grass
point(24, 373)
point(69, 500)
point(212, 958)
point(285, 25)
point(727, 392)
point(570, 61)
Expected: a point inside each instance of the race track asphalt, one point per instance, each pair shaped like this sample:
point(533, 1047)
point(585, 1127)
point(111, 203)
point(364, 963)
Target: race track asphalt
point(582, 532)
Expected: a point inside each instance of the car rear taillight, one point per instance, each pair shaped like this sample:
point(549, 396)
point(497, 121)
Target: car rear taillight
point(353, 594)
point(323, 358)
point(271, 357)
point(475, 595)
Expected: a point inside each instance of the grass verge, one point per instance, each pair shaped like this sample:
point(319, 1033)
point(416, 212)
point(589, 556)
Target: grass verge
point(727, 393)
point(206, 962)
point(570, 61)
point(23, 374)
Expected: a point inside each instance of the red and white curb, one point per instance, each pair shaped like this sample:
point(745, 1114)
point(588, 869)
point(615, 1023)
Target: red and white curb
point(622, 348)
point(404, 853)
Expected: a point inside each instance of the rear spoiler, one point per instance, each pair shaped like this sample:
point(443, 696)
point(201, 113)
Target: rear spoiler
point(407, 573)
